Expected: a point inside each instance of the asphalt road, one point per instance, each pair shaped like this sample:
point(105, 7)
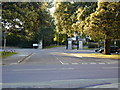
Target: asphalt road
point(50, 68)
point(57, 56)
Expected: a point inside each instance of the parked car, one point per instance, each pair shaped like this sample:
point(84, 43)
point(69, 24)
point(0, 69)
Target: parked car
point(118, 51)
point(99, 49)
point(113, 49)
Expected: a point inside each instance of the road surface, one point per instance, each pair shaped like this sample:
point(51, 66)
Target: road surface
point(51, 68)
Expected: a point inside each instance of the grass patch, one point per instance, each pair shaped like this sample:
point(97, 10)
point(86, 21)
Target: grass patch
point(98, 55)
point(4, 54)
point(115, 56)
point(52, 46)
point(85, 48)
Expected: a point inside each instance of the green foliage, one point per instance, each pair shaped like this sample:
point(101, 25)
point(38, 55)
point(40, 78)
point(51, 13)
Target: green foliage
point(6, 54)
point(104, 21)
point(23, 21)
point(70, 16)
point(51, 47)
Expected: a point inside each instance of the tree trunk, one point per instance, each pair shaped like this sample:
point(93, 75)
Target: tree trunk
point(99, 43)
point(107, 46)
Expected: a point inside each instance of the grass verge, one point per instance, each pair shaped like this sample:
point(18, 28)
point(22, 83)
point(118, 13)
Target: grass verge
point(52, 46)
point(4, 54)
point(97, 55)
point(94, 55)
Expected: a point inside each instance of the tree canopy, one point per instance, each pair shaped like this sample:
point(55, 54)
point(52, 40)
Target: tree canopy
point(25, 19)
point(70, 16)
point(32, 21)
point(99, 20)
point(104, 23)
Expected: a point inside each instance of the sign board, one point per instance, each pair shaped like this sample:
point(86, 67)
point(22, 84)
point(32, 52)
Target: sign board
point(69, 42)
point(35, 44)
point(80, 44)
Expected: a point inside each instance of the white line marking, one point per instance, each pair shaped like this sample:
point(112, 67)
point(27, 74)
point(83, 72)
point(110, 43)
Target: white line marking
point(63, 63)
point(13, 63)
point(101, 63)
point(109, 63)
point(66, 69)
point(74, 63)
point(92, 63)
point(84, 63)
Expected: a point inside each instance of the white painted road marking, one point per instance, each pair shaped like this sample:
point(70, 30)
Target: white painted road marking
point(74, 63)
point(63, 63)
point(92, 63)
point(101, 63)
point(84, 63)
point(13, 63)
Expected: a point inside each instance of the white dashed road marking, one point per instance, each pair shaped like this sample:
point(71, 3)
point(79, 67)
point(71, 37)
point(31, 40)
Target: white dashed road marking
point(84, 63)
point(92, 63)
point(63, 63)
point(101, 63)
point(13, 63)
point(74, 63)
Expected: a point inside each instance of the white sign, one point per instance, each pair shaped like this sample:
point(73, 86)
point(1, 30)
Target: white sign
point(35, 44)
point(80, 44)
point(69, 42)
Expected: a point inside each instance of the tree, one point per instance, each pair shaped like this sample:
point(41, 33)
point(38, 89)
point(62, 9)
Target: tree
point(84, 10)
point(70, 16)
point(25, 19)
point(104, 23)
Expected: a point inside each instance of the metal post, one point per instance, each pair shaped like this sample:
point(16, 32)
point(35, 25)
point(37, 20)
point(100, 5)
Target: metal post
point(58, 38)
point(4, 40)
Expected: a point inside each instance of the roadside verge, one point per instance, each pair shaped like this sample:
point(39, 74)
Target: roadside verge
point(94, 55)
point(16, 59)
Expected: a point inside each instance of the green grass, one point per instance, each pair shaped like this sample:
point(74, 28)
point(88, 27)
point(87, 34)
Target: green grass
point(114, 56)
point(52, 46)
point(99, 55)
point(4, 54)
point(83, 48)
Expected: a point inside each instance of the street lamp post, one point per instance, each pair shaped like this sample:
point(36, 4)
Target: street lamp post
point(4, 40)
point(58, 38)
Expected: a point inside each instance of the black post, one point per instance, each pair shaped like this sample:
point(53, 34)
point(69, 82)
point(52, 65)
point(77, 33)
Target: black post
point(77, 42)
point(66, 41)
point(4, 40)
